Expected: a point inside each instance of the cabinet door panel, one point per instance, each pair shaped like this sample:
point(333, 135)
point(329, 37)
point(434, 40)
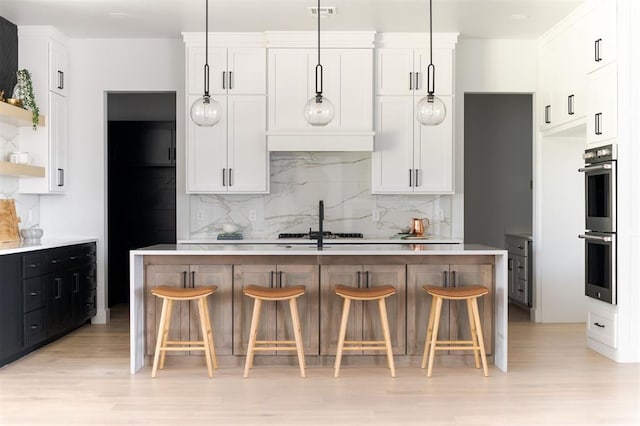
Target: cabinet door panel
point(308, 306)
point(244, 275)
point(206, 153)
point(11, 305)
point(419, 305)
point(601, 44)
point(248, 68)
point(247, 142)
point(392, 160)
point(393, 68)
point(167, 275)
point(443, 63)
point(602, 107)
point(433, 154)
point(331, 307)
point(58, 65)
point(58, 142)
point(377, 275)
point(220, 305)
point(288, 87)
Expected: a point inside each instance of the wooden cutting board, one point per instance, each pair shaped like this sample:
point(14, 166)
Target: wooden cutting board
point(9, 221)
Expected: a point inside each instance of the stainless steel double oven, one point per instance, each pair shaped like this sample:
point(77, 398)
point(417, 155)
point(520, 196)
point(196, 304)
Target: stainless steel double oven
point(600, 178)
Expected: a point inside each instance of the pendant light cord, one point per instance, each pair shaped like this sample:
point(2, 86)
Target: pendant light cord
point(206, 49)
point(431, 69)
point(319, 66)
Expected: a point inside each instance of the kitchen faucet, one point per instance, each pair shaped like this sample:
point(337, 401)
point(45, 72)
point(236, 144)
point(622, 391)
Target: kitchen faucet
point(320, 223)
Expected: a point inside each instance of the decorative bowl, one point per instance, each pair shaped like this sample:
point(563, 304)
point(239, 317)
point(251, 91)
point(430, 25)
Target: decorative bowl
point(32, 235)
point(230, 228)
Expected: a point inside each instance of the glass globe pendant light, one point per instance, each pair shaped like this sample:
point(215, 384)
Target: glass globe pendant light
point(318, 111)
point(430, 109)
point(206, 111)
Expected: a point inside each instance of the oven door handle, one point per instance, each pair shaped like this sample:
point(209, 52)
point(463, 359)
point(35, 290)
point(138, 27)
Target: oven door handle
point(595, 238)
point(596, 167)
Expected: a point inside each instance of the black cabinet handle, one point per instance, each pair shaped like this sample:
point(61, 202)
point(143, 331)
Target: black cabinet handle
point(193, 279)
point(280, 279)
point(224, 78)
point(60, 177)
point(169, 153)
point(416, 181)
point(597, 58)
point(597, 324)
point(358, 278)
point(417, 85)
point(230, 175)
point(445, 279)
point(60, 79)
point(58, 288)
point(547, 114)
point(184, 279)
point(510, 264)
point(570, 106)
point(410, 178)
point(271, 274)
point(598, 123)
point(454, 283)
point(410, 81)
point(224, 174)
point(34, 326)
point(366, 278)
point(230, 80)
point(33, 265)
point(35, 293)
point(76, 283)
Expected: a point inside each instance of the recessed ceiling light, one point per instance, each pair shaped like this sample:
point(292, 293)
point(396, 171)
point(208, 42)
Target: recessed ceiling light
point(119, 15)
point(519, 16)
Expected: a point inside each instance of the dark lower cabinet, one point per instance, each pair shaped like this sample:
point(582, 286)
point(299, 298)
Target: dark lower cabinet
point(43, 295)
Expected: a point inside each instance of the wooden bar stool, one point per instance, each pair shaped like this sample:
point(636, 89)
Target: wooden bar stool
point(274, 294)
point(476, 344)
point(373, 293)
point(168, 295)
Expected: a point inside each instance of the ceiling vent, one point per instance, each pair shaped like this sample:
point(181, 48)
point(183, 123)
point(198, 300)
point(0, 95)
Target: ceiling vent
point(324, 10)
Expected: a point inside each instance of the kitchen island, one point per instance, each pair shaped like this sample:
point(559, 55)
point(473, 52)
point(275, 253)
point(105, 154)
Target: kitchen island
point(231, 266)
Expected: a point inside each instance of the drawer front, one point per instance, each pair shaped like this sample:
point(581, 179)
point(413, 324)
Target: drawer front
point(34, 264)
point(34, 296)
point(81, 254)
point(601, 326)
point(520, 264)
point(521, 293)
point(517, 245)
point(56, 259)
point(34, 327)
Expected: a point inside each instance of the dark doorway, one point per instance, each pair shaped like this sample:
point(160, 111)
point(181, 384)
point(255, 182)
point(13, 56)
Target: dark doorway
point(498, 166)
point(141, 180)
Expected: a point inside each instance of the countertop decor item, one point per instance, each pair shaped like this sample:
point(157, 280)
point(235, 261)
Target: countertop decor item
point(431, 110)
point(230, 228)
point(8, 221)
point(318, 111)
point(24, 91)
point(19, 157)
point(206, 111)
point(32, 235)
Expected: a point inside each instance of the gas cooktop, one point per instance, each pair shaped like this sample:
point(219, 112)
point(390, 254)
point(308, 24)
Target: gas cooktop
point(326, 235)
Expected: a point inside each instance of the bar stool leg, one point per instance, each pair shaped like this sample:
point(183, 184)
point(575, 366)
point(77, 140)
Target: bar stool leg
point(343, 333)
point(165, 334)
point(476, 317)
point(161, 337)
point(205, 335)
point(474, 333)
point(295, 320)
point(427, 340)
point(387, 335)
point(434, 334)
point(210, 339)
point(257, 304)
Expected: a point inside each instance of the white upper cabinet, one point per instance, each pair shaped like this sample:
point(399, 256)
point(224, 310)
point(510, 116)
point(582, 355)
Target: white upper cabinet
point(42, 50)
point(600, 41)
point(602, 104)
point(347, 63)
point(237, 70)
point(230, 157)
point(410, 158)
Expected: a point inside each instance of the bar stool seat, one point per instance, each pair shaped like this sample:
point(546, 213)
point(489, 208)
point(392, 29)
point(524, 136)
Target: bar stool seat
point(476, 344)
point(379, 293)
point(163, 345)
point(260, 294)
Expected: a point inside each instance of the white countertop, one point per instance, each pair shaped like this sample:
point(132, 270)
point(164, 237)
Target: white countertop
point(429, 239)
point(46, 243)
point(310, 249)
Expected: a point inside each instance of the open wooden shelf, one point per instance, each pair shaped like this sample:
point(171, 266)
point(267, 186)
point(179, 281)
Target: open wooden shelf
point(17, 116)
point(12, 169)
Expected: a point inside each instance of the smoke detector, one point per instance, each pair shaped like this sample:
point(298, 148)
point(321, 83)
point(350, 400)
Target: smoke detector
point(324, 10)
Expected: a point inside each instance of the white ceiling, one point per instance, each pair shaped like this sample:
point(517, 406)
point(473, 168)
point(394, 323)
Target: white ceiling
point(168, 18)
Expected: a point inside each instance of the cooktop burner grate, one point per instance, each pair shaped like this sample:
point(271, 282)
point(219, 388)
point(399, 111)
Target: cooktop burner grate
point(313, 235)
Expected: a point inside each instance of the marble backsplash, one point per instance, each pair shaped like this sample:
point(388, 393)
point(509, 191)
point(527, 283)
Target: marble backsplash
point(27, 206)
point(298, 181)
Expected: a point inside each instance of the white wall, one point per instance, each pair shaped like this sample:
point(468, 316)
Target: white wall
point(96, 67)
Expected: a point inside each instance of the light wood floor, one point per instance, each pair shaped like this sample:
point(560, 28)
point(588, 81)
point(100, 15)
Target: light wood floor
point(83, 379)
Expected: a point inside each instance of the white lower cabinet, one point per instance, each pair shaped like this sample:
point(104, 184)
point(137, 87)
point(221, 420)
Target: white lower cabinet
point(602, 323)
point(409, 157)
point(230, 157)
